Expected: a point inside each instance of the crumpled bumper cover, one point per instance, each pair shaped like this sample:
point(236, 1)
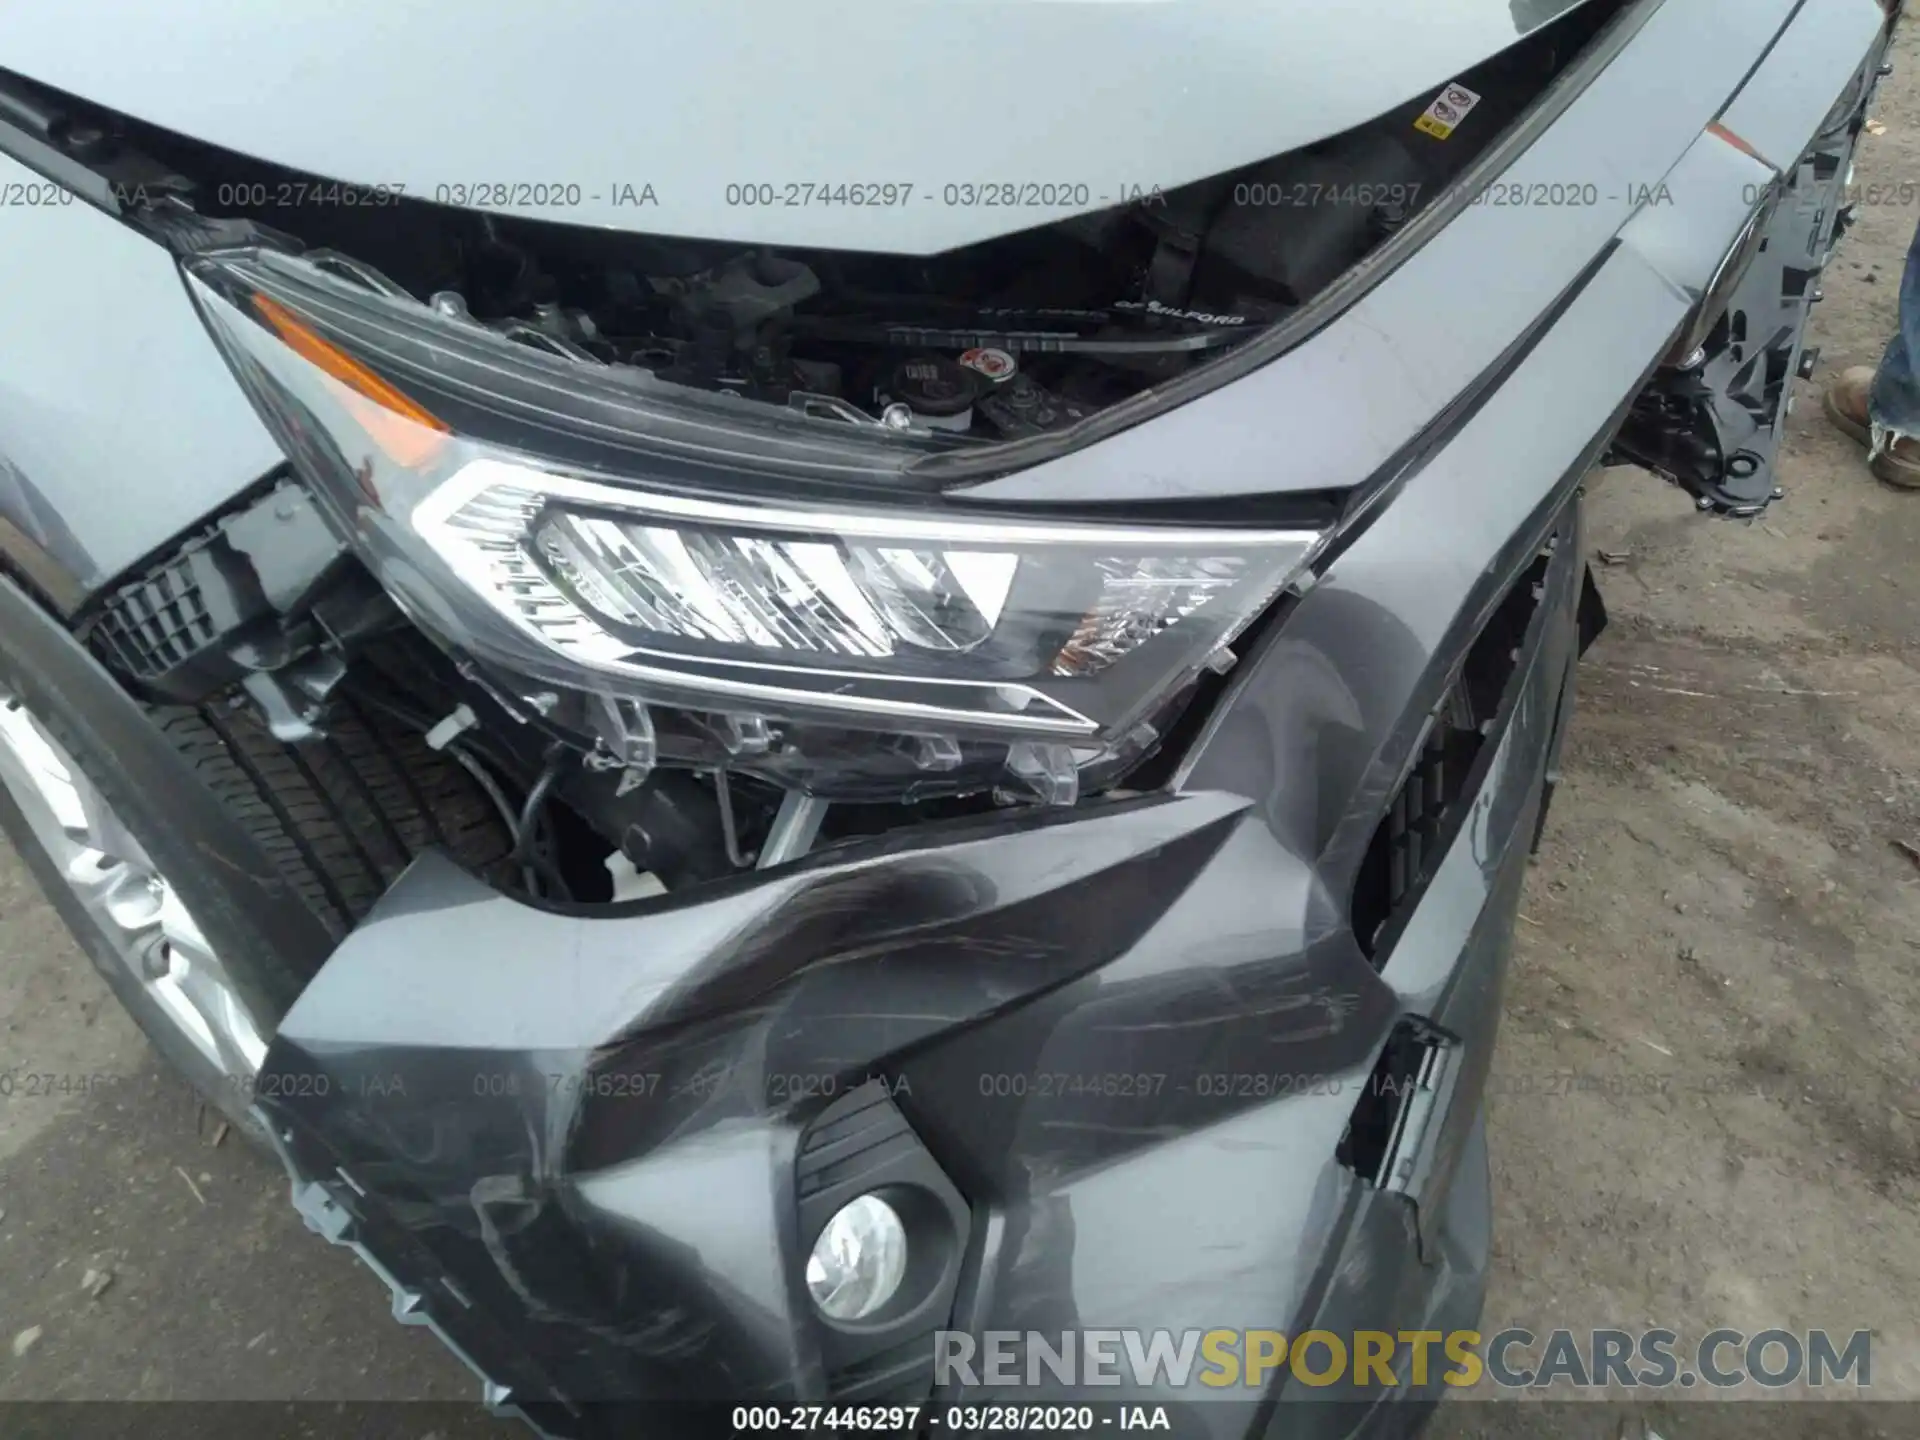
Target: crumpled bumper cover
point(1130, 1036)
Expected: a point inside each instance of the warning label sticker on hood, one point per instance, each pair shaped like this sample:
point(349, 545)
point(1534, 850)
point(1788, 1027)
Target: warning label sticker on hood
point(1449, 108)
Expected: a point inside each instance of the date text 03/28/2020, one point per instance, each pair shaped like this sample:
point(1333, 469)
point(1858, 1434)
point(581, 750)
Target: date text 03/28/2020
point(955, 1419)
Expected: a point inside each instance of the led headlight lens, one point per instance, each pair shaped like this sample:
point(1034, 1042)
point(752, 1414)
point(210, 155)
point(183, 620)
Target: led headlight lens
point(778, 593)
point(594, 529)
point(859, 1260)
point(971, 623)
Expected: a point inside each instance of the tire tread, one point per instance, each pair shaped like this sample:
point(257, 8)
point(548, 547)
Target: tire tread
point(340, 817)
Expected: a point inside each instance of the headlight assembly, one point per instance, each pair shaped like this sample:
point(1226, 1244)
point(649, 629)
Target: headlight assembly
point(716, 580)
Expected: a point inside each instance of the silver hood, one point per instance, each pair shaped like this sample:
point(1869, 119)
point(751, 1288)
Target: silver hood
point(650, 115)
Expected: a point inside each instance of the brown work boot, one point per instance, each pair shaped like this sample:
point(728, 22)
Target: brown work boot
point(1896, 459)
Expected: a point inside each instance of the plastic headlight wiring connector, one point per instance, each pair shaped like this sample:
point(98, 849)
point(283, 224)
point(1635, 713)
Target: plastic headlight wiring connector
point(735, 583)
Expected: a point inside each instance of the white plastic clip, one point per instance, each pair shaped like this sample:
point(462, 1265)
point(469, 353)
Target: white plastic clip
point(452, 728)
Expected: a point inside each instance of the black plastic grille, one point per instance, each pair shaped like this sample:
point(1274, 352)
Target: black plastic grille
point(158, 625)
point(1425, 811)
point(176, 629)
point(1375, 1133)
point(843, 1139)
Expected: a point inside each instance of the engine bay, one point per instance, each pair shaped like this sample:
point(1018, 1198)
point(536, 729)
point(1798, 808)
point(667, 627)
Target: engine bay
point(1023, 335)
point(1026, 335)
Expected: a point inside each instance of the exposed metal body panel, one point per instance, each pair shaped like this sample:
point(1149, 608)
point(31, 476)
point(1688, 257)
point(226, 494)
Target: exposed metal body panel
point(560, 1135)
point(120, 425)
point(1793, 90)
point(690, 97)
point(1353, 395)
point(1238, 955)
point(184, 440)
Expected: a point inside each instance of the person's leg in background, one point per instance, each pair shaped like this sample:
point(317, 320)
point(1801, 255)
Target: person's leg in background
point(1881, 408)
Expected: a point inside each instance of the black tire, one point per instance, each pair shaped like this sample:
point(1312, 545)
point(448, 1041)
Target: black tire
point(343, 816)
point(275, 851)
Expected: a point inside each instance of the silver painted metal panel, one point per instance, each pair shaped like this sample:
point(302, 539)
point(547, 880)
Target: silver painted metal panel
point(120, 425)
point(1443, 531)
point(693, 95)
point(1397, 592)
point(1778, 110)
point(1367, 384)
point(1714, 191)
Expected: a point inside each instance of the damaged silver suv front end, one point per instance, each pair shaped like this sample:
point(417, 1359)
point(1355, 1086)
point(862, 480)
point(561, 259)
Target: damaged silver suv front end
point(1018, 727)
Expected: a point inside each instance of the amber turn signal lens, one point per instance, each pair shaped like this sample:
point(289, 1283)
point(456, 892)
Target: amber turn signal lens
point(409, 434)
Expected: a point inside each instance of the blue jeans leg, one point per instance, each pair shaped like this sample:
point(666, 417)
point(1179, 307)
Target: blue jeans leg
point(1895, 403)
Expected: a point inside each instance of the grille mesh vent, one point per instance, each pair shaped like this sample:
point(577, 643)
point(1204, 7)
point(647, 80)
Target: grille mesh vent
point(1425, 811)
point(159, 625)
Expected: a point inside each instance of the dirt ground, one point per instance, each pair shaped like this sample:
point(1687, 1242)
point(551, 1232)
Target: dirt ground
point(1705, 1108)
point(1706, 1105)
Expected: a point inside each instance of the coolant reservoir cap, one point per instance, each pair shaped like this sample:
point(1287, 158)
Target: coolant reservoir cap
point(996, 365)
point(933, 385)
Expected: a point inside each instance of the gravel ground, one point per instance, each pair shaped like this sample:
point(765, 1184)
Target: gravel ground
point(1722, 933)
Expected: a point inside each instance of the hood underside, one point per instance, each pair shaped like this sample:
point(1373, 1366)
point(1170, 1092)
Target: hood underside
point(755, 124)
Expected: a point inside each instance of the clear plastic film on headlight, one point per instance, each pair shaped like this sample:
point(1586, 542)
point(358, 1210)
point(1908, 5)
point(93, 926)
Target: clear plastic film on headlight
point(762, 587)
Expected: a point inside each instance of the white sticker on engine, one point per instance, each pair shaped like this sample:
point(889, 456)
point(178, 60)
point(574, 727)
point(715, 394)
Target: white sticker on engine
point(1449, 108)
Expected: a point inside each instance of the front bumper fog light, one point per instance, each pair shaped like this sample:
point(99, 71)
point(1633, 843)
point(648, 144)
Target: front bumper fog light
point(859, 1260)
